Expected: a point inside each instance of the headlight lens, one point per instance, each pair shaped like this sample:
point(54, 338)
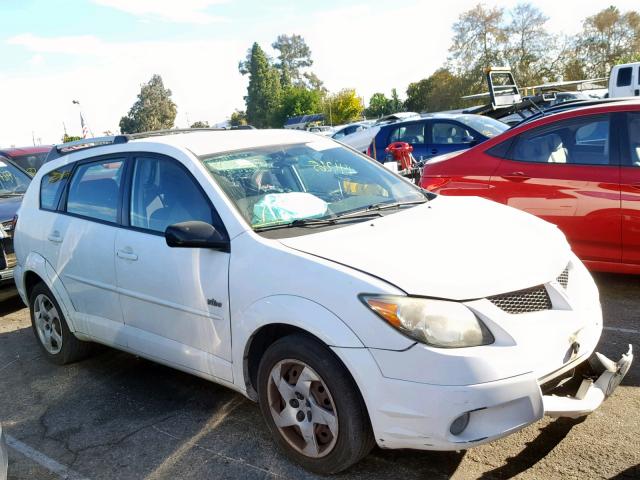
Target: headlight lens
point(435, 322)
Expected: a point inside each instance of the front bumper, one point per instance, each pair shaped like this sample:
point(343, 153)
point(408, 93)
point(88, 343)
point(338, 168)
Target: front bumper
point(592, 391)
point(406, 414)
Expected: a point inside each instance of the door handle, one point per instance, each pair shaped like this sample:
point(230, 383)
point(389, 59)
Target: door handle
point(516, 177)
point(55, 237)
point(635, 186)
point(434, 151)
point(127, 254)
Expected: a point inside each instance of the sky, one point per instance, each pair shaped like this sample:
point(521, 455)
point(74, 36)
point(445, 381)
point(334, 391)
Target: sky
point(99, 52)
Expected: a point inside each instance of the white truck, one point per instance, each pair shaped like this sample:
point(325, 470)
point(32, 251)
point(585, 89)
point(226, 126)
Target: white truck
point(624, 80)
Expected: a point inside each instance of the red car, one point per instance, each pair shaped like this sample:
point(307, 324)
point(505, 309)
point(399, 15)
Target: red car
point(29, 159)
point(578, 169)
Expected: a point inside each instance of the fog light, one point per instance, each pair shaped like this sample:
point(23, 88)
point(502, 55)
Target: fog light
point(459, 424)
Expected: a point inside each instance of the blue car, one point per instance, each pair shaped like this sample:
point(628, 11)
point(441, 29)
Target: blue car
point(436, 134)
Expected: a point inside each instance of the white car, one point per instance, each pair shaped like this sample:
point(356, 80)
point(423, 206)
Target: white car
point(4, 456)
point(284, 266)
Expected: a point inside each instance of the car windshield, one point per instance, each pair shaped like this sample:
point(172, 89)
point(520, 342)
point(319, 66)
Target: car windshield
point(13, 181)
point(487, 126)
point(31, 163)
point(279, 185)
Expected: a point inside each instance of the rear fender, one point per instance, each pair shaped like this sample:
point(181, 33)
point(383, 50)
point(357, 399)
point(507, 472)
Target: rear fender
point(37, 264)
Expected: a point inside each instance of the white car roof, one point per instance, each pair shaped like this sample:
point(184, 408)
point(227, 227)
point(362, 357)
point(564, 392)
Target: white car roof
point(207, 142)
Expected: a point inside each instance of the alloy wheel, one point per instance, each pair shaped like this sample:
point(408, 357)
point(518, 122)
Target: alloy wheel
point(48, 324)
point(302, 408)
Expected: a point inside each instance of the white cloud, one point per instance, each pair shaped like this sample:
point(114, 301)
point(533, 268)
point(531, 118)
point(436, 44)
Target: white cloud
point(202, 76)
point(179, 11)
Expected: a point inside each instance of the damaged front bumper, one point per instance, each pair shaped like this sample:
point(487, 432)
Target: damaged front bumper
point(604, 377)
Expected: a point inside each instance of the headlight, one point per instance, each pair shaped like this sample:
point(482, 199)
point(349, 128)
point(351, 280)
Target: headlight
point(435, 322)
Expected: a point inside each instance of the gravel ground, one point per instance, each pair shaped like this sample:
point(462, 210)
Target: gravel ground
point(116, 416)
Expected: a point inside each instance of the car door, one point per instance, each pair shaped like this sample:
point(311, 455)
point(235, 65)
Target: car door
point(80, 245)
point(447, 136)
point(175, 301)
point(630, 187)
point(567, 172)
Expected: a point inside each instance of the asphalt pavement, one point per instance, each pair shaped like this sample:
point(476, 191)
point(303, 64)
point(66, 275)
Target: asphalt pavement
point(116, 416)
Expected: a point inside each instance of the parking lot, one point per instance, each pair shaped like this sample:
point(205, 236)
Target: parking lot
point(119, 416)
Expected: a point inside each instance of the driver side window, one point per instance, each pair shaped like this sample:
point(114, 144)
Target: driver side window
point(163, 194)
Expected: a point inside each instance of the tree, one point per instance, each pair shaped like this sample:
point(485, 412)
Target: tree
point(293, 56)
point(238, 118)
point(608, 36)
point(299, 101)
point(478, 40)
point(441, 91)
point(154, 109)
point(200, 124)
point(396, 105)
point(343, 107)
point(263, 92)
point(379, 106)
point(70, 138)
point(529, 47)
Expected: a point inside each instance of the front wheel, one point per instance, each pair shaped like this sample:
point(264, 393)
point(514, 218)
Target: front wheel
point(312, 405)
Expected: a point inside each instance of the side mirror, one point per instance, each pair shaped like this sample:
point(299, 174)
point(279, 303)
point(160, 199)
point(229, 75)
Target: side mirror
point(469, 139)
point(196, 234)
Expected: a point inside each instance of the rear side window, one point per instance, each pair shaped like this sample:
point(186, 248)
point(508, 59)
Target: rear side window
point(94, 190)
point(410, 133)
point(582, 141)
point(634, 137)
point(624, 77)
point(52, 185)
point(445, 133)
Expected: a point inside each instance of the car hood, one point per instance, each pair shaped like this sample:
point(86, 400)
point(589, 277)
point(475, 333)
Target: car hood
point(8, 207)
point(458, 248)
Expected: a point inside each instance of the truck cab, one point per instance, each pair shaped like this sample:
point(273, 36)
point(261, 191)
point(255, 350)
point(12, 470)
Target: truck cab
point(624, 80)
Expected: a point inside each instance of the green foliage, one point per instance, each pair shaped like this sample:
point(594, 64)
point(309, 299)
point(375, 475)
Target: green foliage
point(440, 91)
point(343, 107)
point(293, 56)
point(264, 91)
point(608, 37)
point(238, 118)
point(299, 101)
point(200, 124)
point(154, 109)
point(70, 138)
point(379, 106)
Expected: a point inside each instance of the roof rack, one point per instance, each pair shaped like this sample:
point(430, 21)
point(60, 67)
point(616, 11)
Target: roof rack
point(70, 147)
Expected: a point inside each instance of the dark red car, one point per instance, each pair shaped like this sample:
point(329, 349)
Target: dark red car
point(29, 159)
point(578, 169)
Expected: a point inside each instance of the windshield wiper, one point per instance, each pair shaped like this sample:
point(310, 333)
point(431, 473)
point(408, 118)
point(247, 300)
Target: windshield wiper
point(385, 205)
point(309, 222)
point(11, 194)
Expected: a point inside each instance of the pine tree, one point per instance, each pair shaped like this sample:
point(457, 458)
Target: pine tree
point(154, 109)
point(263, 92)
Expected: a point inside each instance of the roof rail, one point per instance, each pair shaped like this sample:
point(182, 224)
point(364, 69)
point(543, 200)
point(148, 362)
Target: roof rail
point(70, 147)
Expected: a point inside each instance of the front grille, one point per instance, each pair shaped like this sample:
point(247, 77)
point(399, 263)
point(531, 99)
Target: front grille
point(533, 299)
point(563, 278)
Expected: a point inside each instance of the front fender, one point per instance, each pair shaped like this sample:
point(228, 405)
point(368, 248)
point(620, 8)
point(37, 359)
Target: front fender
point(37, 264)
point(291, 310)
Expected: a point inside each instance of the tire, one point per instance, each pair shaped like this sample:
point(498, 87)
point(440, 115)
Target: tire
point(309, 375)
point(58, 343)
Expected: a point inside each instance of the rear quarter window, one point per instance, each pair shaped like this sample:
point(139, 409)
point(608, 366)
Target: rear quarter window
point(52, 185)
point(624, 77)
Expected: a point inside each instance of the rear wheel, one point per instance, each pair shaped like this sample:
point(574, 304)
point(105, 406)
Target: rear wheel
point(312, 405)
point(59, 344)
